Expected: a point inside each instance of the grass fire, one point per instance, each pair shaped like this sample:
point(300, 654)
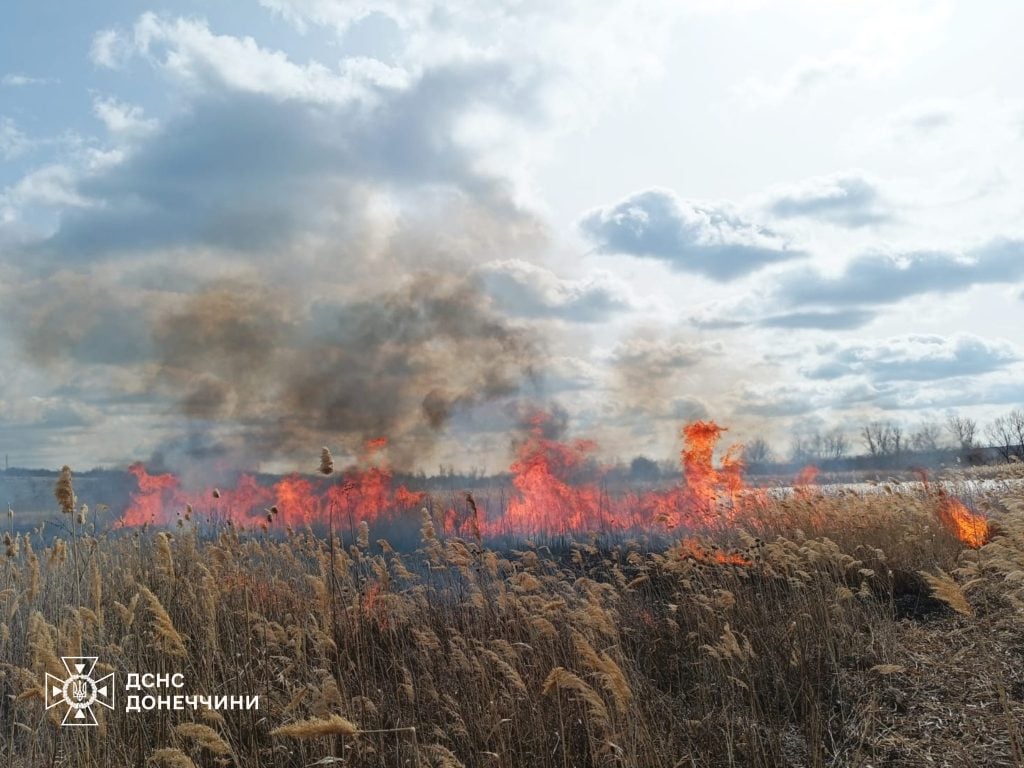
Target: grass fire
point(711, 622)
point(503, 384)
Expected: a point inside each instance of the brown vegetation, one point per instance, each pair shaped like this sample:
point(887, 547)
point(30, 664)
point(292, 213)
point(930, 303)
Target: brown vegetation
point(851, 630)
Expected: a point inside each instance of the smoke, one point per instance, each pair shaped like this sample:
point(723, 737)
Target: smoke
point(276, 379)
point(651, 368)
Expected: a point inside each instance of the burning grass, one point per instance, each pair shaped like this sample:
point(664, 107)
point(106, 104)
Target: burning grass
point(759, 630)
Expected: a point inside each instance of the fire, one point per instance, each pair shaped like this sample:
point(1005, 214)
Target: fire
point(700, 552)
point(970, 528)
point(709, 497)
point(806, 476)
point(547, 501)
point(556, 490)
point(703, 481)
point(147, 503)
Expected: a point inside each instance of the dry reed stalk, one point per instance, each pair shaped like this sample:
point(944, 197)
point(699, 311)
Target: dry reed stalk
point(204, 736)
point(169, 757)
point(168, 638)
point(315, 727)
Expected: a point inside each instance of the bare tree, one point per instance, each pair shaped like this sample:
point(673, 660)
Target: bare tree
point(757, 452)
point(1016, 421)
point(963, 429)
point(806, 448)
point(870, 434)
point(835, 443)
point(1006, 433)
point(896, 431)
point(927, 437)
point(879, 438)
point(1000, 434)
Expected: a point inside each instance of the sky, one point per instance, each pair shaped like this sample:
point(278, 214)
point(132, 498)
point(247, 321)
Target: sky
point(232, 232)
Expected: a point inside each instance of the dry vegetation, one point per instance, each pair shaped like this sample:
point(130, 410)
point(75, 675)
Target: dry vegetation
point(847, 630)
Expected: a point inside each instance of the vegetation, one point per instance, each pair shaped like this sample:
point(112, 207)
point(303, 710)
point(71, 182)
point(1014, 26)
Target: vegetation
point(818, 631)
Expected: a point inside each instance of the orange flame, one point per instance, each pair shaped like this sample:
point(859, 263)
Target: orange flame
point(698, 551)
point(547, 502)
point(547, 497)
point(970, 528)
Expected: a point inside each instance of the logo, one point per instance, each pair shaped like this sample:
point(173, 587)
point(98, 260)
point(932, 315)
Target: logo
point(79, 691)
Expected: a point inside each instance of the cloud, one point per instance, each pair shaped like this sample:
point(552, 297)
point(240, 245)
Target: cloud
point(240, 170)
point(12, 141)
point(20, 80)
point(709, 239)
point(924, 119)
point(190, 53)
point(840, 320)
point(848, 200)
point(122, 119)
point(958, 392)
point(290, 255)
point(886, 37)
point(49, 186)
point(529, 290)
point(883, 279)
point(108, 49)
point(48, 413)
point(918, 357)
point(802, 398)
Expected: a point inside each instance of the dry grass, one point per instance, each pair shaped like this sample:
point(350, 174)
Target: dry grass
point(841, 631)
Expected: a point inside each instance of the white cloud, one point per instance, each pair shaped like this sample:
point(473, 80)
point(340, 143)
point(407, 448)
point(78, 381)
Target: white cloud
point(187, 51)
point(524, 288)
point(51, 185)
point(709, 238)
point(109, 49)
point(850, 199)
point(122, 119)
point(12, 141)
point(19, 80)
point(889, 35)
point(918, 357)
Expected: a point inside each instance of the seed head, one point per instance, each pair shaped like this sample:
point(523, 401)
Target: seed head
point(326, 461)
point(64, 490)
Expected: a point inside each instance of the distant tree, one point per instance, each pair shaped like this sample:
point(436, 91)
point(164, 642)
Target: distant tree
point(1000, 435)
point(884, 438)
point(835, 444)
point(1016, 419)
point(806, 447)
point(927, 437)
point(963, 429)
point(877, 437)
point(898, 443)
point(1006, 433)
point(757, 452)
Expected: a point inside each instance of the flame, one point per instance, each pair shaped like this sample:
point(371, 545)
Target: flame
point(970, 528)
point(702, 553)
point(547, 502)
point(806, 476)
point(548, 495)
point(147, 503)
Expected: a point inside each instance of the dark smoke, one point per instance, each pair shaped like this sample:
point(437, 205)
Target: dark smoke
point(397, 364)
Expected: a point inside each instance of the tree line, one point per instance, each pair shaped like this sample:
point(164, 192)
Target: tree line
point(886, 440)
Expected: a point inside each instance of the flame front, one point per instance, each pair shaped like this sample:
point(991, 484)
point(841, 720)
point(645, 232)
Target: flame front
point(547, 498)
point(554, 492)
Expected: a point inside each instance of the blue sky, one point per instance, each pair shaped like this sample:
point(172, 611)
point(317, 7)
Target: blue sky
point(243, 230)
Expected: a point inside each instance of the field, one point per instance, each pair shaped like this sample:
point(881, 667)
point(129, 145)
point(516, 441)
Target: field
point(842, 629)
